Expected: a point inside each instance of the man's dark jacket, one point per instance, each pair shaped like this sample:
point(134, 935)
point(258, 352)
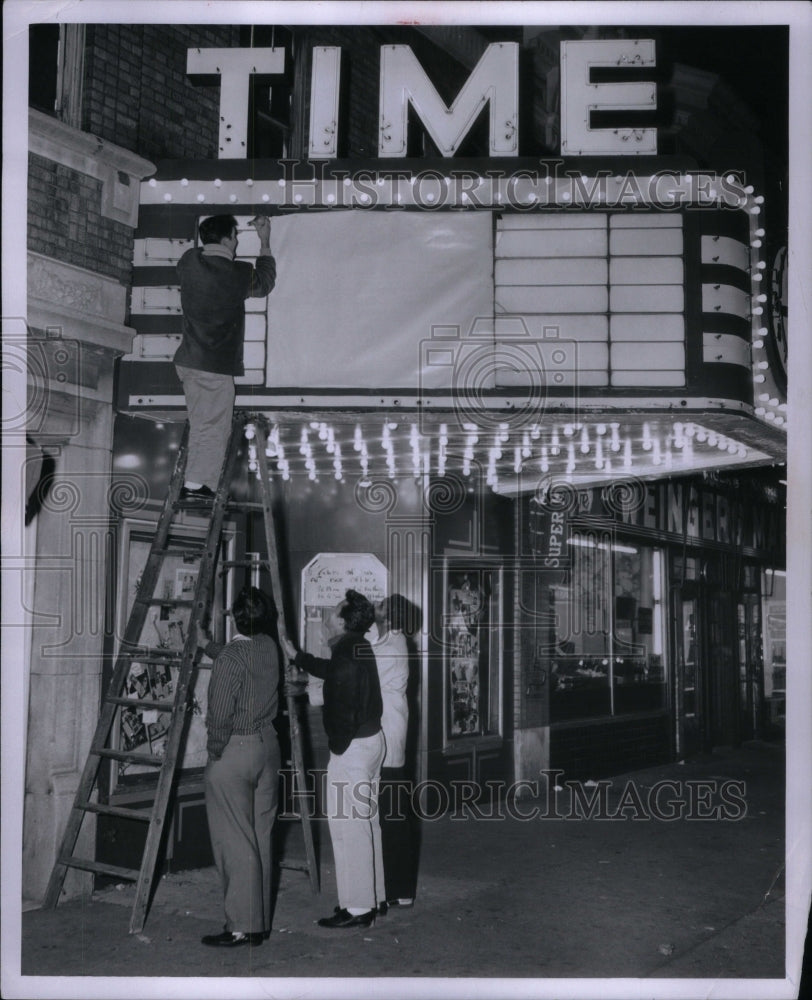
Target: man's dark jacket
point(352, 693)
point(213, 290)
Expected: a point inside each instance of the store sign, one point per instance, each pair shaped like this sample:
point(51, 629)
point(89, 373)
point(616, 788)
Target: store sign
point(675, 507)
point(494, 82)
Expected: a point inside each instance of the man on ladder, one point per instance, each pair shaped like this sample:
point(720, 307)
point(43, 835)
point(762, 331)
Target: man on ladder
point(213, 290)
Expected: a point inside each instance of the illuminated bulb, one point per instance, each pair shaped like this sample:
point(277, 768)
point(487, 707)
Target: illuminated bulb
point(758, 311)
point(249, 181)
point(760, 232)
point(357, 439)
point(526, 445)
point(762, 365)
point(152, 182)
point(517, 460)
point(544, 462)
point(555, 446)
point(601, 429)
point(232, 197)
point(569, 430)
point(535, 432)
point(749, 189)
point(443, 434)
point(615, 442)
point(646, 437)
point(701, 434)
point(761, 298)
point(712, 439)
point(758, 378)
point(679, 440)
point(504, 432)
point(266, 197)
point(760, 411)
point(755, 243)
point(761, 265)
point(758, 344)
point(656, 455)
point(755, 210)
point(627, 455)
point(759, 199)
point(250, 432)
point(599, 454)
point(184, 182)
point(570, 459)
point(584, 441)
point(217, 182)
point(201, 197)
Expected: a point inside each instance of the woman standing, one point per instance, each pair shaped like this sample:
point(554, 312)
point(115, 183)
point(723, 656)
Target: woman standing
point(242, 774)
point(352, 720)
point(397, 818)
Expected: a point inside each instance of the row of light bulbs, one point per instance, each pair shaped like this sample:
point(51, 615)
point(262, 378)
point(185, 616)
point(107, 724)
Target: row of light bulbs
point(556, 190)
point(571, 445)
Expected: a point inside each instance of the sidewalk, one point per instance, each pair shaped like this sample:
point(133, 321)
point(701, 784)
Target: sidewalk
point(506, 898)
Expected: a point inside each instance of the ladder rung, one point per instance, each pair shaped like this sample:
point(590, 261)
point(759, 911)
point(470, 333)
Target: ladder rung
point(176, 549)
point(159, 706)
point(154, 653)
point(100, 868)
point(172, 602)
point(130, 755)
point(105, 810)
point(244, 562)
point(244, 505)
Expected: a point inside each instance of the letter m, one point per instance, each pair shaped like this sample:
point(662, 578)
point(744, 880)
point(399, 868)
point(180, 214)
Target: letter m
point(494, 81)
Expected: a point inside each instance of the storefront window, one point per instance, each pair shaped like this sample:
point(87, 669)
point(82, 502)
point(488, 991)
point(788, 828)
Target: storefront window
point(609, 624)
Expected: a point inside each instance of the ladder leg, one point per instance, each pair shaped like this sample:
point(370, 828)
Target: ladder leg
point(276, 586)
point(131, 634)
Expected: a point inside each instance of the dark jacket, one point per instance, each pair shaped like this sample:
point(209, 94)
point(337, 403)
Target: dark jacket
point(352, 694)
point(213, 291)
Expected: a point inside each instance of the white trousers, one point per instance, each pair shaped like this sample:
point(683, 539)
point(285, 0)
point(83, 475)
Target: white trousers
point(352, 815)
point(210, 407)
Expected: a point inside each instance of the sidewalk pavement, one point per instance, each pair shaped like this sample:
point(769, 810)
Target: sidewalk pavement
point(498, 899)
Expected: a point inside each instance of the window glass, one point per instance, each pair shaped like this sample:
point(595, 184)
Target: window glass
point(43, 50)
point(609, 625)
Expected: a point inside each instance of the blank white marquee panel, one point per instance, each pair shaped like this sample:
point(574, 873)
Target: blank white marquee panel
point(566, 271)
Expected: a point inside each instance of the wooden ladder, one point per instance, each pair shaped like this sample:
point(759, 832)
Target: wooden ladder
point(117, 698)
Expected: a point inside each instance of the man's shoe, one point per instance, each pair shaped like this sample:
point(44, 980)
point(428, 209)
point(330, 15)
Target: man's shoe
point(343, 918)
point(383, 908)
point(229, 939)
point(402, 904)
point(201, 493)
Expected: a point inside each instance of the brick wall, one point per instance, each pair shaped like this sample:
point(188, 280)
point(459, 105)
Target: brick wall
point(137, 93)
point(65, 221)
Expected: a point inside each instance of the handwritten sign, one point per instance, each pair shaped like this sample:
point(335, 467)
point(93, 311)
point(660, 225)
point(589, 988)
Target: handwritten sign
point(327, 578)
point(325, 581)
